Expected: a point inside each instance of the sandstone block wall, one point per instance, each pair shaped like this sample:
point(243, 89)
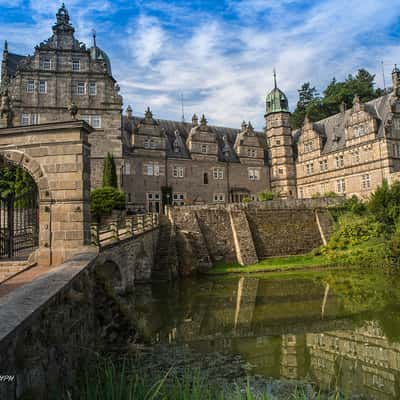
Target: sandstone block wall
point(250, 232)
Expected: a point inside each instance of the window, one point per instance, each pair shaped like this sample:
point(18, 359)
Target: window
point(356, 157)
point(254, 174)
point(278, 142)
point(30, 119)
point(151, 169)
point(92, 88)
point(30, 86)
point(42, 87)
point(219, 197)
point(359, 131)
point(93, 120)
point(323, 165)
point(204, 148)
point(46, 63)
point(205, 178)
point(80, 88)
point(251, 153)
point(341, 186)
point(178, 172)
point(365, 182)
point(309, 168)
point(127, 168)
point(25, 119)
point(218, 173)
point(178, 199)
point(76, 65)
point(301, 193)
point(339, 161)
point(96, 121)
point(308, 146)
point(150, 144)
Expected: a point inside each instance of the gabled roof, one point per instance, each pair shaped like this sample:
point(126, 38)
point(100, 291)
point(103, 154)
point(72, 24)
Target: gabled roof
point(169, 127)
point(333, 127)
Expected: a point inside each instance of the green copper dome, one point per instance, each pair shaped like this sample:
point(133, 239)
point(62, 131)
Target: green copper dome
point(276, 100)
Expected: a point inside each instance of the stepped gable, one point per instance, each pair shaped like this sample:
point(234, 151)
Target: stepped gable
point(333, 127)
point(170, 128)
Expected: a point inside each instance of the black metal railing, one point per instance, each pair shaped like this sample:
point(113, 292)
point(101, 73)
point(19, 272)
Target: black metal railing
point(19, 224)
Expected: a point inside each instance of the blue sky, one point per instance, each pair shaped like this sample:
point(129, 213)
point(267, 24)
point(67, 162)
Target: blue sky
point(219, 54)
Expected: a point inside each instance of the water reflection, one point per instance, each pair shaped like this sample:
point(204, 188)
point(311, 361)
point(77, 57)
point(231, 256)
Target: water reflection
point(333, 330)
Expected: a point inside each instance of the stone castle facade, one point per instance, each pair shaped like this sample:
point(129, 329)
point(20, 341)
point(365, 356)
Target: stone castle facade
point(161, 162)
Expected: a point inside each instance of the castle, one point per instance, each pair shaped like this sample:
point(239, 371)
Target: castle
point(168, 162)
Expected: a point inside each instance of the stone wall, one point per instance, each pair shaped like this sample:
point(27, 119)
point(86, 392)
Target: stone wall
point(53, 325)
point(250, 232)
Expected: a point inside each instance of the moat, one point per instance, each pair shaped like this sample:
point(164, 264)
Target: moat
point(335, 329)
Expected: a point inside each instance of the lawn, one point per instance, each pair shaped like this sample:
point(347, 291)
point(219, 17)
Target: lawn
point(287, 263)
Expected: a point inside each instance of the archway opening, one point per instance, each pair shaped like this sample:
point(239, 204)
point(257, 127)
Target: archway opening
point(19, 212)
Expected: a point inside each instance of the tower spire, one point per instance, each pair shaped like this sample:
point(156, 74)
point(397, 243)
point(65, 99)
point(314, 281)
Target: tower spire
point(275, 85)
point(94, 37)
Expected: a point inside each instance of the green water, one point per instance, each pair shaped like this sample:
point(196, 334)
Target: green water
point(336, 329)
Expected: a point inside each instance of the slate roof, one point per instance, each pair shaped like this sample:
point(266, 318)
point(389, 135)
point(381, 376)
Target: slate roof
point(12, 62)
point(333, 127)
point(169, 127)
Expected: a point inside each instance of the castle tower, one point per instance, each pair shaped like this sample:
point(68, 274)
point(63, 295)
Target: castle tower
point(280, 143)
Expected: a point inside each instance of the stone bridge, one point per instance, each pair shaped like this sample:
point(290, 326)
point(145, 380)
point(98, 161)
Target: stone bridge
point(49, 326)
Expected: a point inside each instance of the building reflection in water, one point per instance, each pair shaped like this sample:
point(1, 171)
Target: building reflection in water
point(292, 329)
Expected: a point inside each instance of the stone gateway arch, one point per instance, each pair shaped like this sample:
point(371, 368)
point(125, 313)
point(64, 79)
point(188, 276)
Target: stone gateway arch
point(57, 157)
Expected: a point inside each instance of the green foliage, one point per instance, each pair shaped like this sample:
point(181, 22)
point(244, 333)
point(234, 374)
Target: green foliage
point(353, 205)
point(104, 200)
point(15, 181)
point(266, 195)
point(336, 93)
point(110, 172)
point(352, 230)
point(385, 205)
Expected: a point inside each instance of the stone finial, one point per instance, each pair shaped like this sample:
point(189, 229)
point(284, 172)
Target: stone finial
point(203, 120)
point(342, 107)
point(148, 114)
point(73, 110)
point(129, 111)
point(243, 126)
point(396, 80)
point(356, 99)
point(250, 127)
point(176, 133)
point(195, 120)
point(62, 15)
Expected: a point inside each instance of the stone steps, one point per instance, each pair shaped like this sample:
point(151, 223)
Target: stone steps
point(8, 269)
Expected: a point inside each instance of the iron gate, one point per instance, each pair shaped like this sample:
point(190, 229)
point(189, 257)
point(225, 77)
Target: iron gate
point(19, 224)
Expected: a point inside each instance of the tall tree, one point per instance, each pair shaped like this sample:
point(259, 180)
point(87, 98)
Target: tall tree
point(307, 95)
point(110, 172)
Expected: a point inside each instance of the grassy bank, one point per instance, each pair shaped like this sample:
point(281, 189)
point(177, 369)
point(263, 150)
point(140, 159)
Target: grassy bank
point(276, 264)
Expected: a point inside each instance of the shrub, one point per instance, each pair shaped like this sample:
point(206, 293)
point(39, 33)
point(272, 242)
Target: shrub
point(354, 229)
point(104, 200)
point(109, 172)
point(266, 195)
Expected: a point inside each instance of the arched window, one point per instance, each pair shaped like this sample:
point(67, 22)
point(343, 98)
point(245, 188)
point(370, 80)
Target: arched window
point(205, 178)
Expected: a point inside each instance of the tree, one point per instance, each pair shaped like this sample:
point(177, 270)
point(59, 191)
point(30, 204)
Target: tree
point(110, 172)
point(104, 200)
point(307, 95)
point(336, 93)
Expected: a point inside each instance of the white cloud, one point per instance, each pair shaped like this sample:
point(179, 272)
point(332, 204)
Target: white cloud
point(222, 61)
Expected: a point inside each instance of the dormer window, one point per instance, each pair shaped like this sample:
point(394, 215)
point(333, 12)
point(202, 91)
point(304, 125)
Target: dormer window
point(251, 153)
point(359, 131)
point(46, 63)
point(204, 148)
point(177, 147)
point(76, 65)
